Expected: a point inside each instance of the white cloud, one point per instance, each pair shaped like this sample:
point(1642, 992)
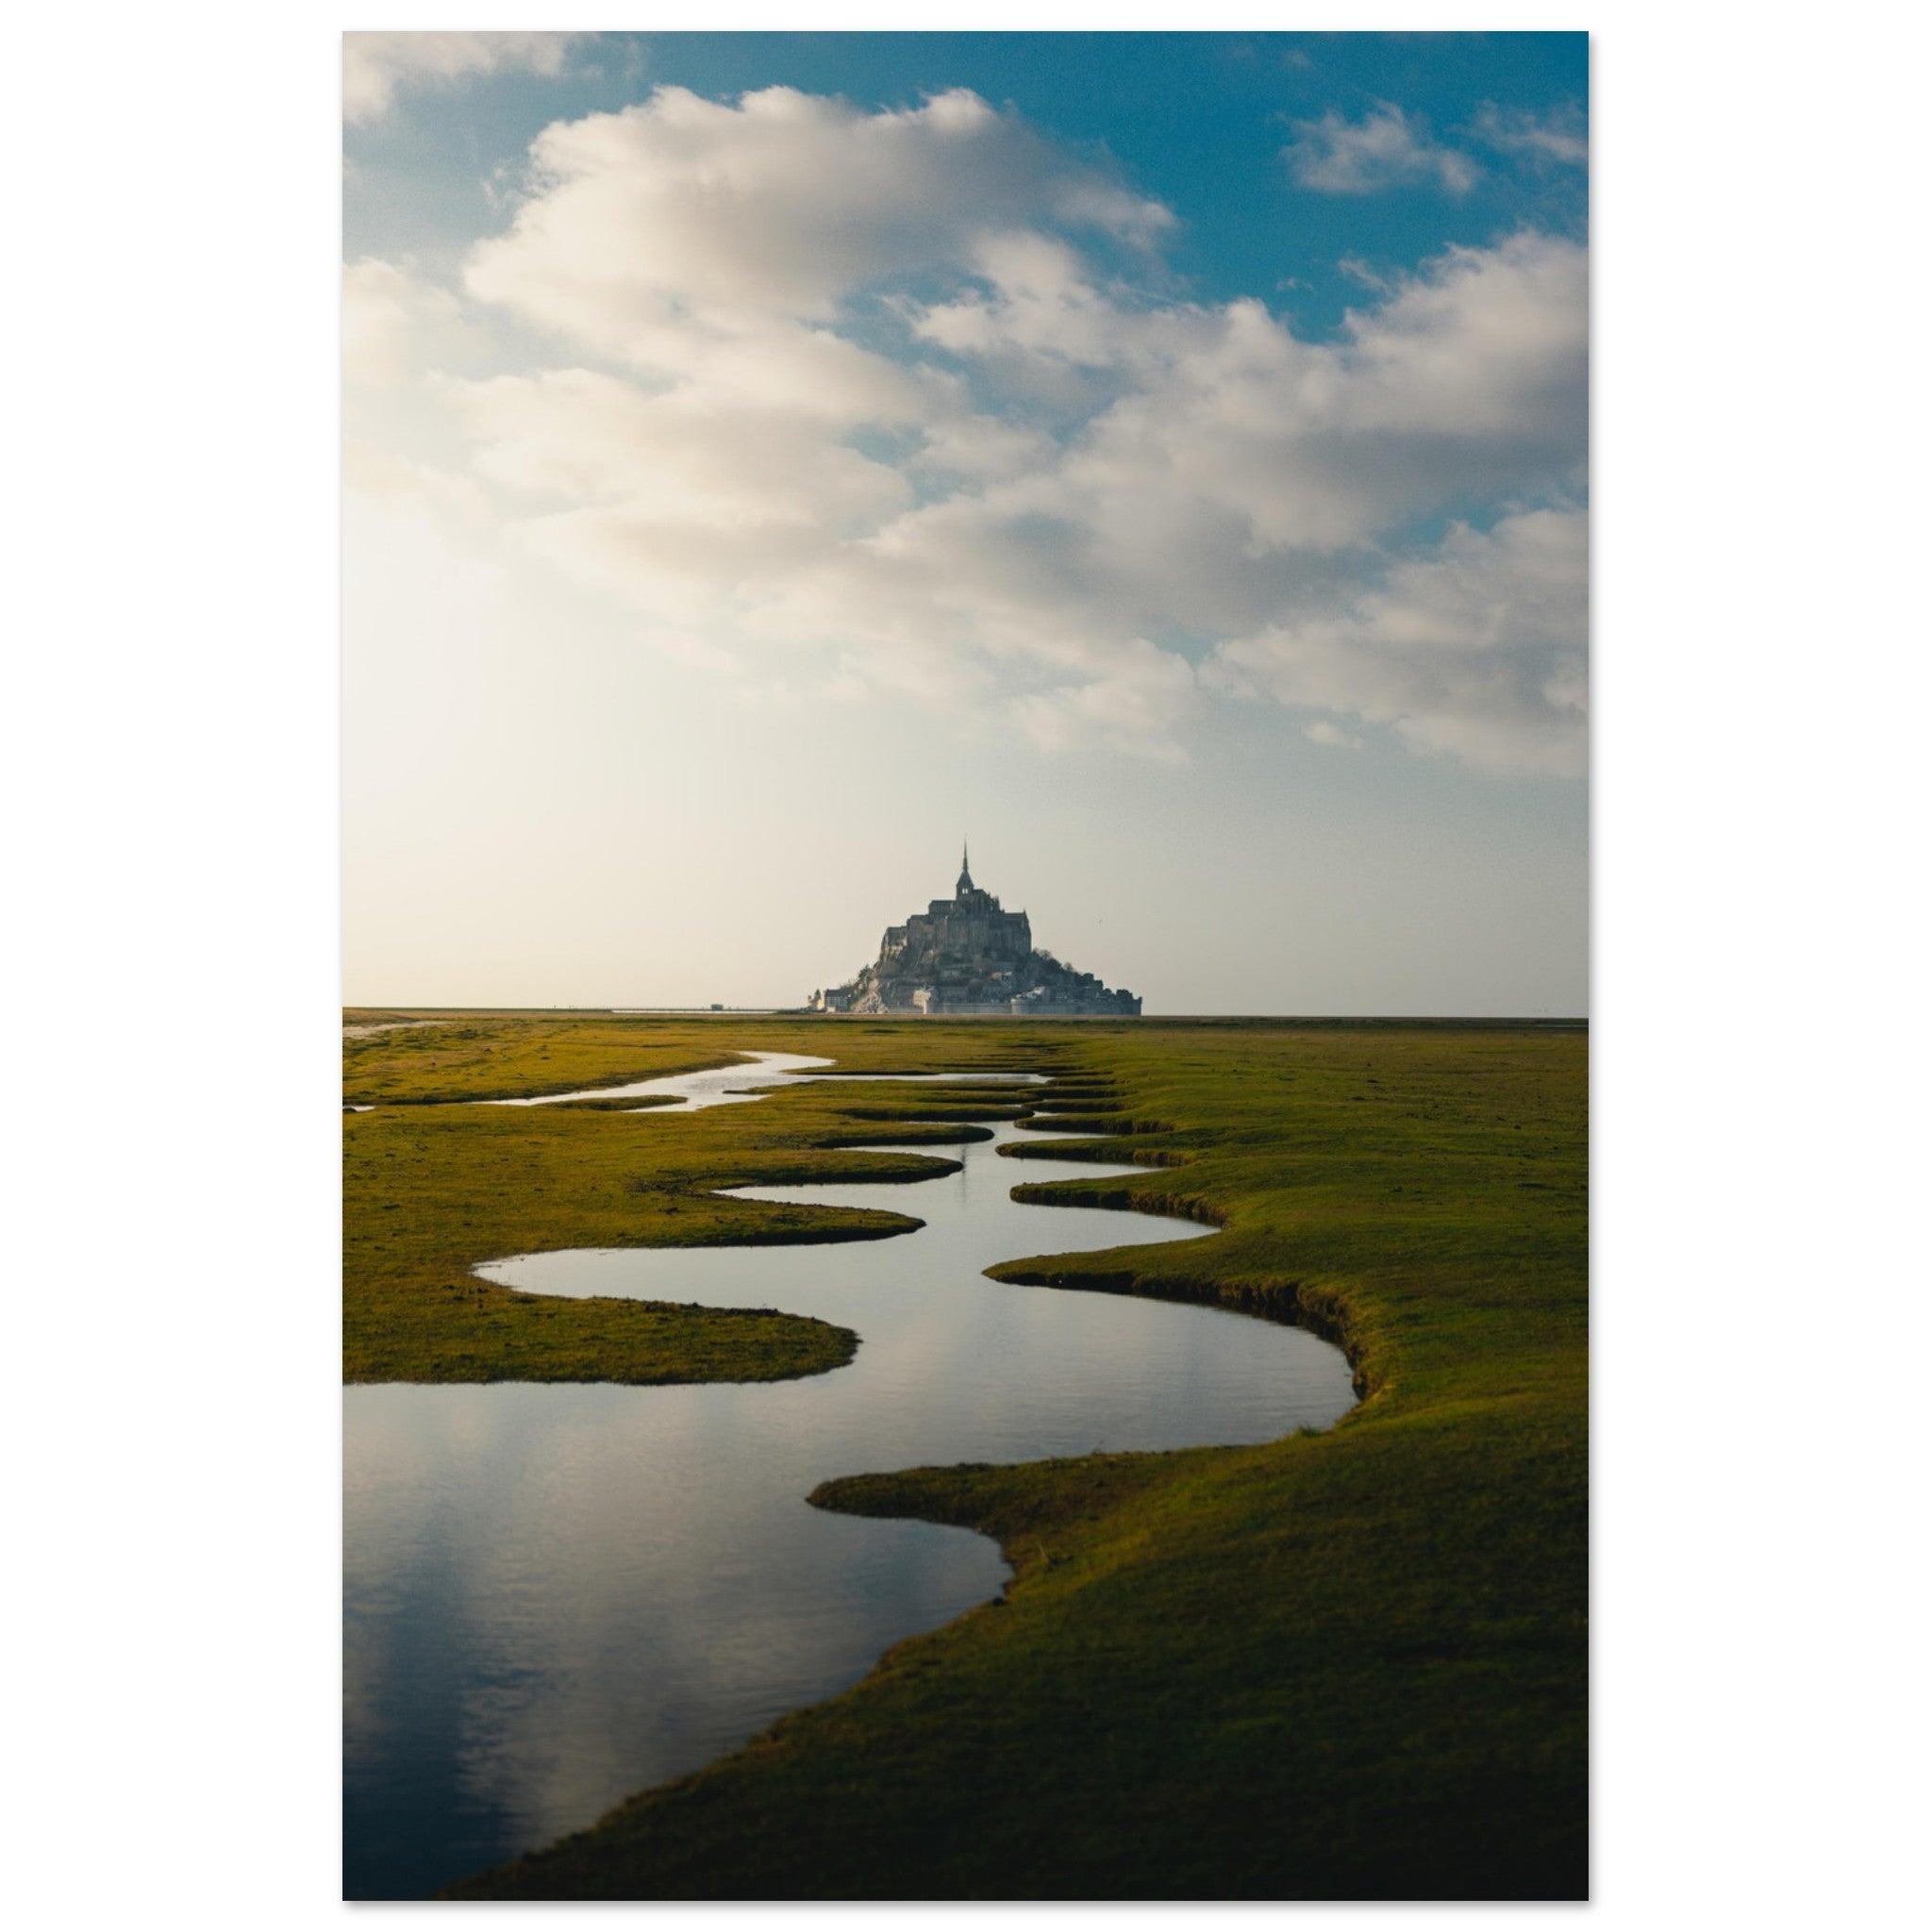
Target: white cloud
point(871, 417)
point(371, 472)
point(377, 66)
point(1468, 379)
point(1142, 704)
point(398, 324)
point(1559, 137)
point(671, 457)
point(1384, 149)
point(986, 449)
point(1477, 648)
point(680, 211)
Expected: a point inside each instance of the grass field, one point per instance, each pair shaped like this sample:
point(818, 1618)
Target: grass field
point(432, 1189)
point(1350, 1665)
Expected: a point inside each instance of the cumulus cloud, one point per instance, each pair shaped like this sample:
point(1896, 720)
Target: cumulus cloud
point(777, 205)
point(398, 324)
point(1475, 648)
point(377, 66)
point(1220, 424)
point(1386, 148)
point(671, 457)
point(879, 402)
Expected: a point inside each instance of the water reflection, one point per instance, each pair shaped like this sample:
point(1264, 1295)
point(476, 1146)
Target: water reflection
point(714, 1087)
point(557, 1595)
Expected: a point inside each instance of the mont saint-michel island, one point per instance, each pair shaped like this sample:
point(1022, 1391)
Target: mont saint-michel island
point(969, 954)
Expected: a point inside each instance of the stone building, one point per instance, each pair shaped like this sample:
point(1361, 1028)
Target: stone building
point(968, 955)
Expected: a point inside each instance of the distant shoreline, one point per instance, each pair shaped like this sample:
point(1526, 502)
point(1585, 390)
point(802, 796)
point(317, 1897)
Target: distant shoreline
point(1556, 1022)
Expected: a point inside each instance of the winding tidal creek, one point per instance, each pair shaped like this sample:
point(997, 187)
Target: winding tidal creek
point(558, 1594)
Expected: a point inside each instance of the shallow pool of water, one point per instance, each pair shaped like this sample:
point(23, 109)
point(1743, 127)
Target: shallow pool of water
point(556, 1595)
point(750, 1078)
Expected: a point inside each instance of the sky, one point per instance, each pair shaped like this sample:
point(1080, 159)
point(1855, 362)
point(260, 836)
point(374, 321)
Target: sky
point(770, 458)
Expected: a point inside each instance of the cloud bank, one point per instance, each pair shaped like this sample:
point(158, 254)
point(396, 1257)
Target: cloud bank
point(905, 403)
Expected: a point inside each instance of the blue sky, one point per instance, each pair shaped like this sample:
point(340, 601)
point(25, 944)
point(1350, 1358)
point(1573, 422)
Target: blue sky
point(1163, 455)
point(1195, 119)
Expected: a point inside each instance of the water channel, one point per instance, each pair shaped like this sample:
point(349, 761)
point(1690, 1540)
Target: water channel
point(557, 1594)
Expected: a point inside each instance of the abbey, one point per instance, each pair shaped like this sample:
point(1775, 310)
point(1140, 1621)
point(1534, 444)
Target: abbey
point(966, 954)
